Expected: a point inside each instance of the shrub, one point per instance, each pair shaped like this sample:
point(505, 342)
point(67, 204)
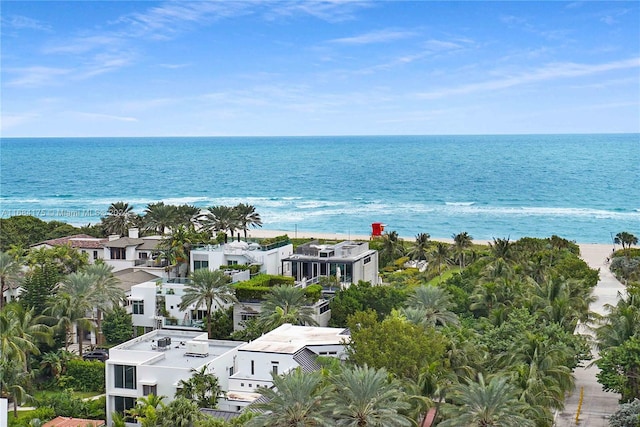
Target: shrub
point(85, 375)
point(257, 287)
point(627, 415)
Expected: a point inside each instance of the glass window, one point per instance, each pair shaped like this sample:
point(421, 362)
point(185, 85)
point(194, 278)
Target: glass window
point(138, 307)
point(118, 253)
point(123, 404)
point(149, 389)
point(197, 265)
point(125, 376)
point(95, 254)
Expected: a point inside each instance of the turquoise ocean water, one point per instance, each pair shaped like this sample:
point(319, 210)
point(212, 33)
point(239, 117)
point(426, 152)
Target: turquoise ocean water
point(582, 187)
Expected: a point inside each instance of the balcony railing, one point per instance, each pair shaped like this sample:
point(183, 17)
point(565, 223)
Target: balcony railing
point(146, 262)
point(197, 324)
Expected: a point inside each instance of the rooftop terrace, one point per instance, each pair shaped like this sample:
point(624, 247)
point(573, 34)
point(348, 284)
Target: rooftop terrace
point(153, 349)
point(291, 338)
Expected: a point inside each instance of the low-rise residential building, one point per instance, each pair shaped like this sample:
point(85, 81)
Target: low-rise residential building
point(155, 304)
point(266, 258)
point(348, 261)
point(133, 251)
point(157, 361)
point(246, 309)
point(278, 352)
point(83, 243)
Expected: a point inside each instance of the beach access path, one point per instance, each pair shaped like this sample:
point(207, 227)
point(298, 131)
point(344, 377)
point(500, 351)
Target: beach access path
point(597, 405)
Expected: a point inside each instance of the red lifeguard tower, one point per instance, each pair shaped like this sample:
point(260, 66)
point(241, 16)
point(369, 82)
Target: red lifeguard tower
point(376, 229)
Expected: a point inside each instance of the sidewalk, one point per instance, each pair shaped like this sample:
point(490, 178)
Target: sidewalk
point(597, 405)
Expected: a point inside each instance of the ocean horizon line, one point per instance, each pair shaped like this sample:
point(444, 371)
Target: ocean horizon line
point(323, 135)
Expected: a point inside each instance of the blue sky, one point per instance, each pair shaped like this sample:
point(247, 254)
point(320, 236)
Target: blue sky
point(182, 68)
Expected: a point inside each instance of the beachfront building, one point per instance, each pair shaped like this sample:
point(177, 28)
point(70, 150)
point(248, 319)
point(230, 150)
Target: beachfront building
point(266, 258)
point(136, 252)
point(83, 243)
point(156, 362)
point(348, 261)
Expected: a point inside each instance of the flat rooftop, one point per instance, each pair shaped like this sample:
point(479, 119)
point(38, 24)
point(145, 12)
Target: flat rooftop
point(291, 338)
point(144, 349)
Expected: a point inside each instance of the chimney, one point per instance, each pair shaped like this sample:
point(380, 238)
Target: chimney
point(133, 233)
point(113, 237)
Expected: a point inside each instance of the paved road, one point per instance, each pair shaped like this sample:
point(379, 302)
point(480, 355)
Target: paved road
point(597, 405)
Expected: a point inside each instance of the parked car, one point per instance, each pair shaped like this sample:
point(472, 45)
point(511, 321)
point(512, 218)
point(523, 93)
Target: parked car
point(101, 355)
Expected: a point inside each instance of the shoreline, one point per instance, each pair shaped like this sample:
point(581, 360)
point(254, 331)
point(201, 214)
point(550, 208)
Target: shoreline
point(260, 233)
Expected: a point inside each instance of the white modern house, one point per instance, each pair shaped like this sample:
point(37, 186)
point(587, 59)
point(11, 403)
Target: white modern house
point(157, 361)
point(348, 261)
point(155, 304)
point(279, 351)
point(266, 258)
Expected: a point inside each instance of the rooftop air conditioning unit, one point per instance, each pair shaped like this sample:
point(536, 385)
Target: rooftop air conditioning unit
point(197, 348)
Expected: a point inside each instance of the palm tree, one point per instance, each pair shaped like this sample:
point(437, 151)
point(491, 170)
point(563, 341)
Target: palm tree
point(207, 287)
point(146, 410)
point(439, 257)
point(247, 216)
point(12, 383)
point(186, 215)
point(76, 293)
point(180, 242)
point(420, 247)
point(202, 387)
point(296, 399)
point(159, 217)
point(364, 396)
point(220, 219)
point(626, 240)
point(105, 294)
point(621, 322)
point(461, 242)
point(20, 332)
point(180, 413)
point(502, 249)
point(432, 303)
point(392, 248)
point(9, 271)
point(485, 405)
point(285, 304)
point(120, 217)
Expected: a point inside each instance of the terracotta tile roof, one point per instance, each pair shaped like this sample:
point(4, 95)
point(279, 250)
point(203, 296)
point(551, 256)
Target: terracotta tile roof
point(73, 422)
point(83, 241)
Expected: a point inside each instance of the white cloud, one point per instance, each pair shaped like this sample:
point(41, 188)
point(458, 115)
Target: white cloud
point(329, 11)
point(549, 72)
point(105, 117)
point(80, 45)
point(104, 63)
point(19, 22)
point(381, 36)
point(9, 121)
point(174, 66)
point(36, 76)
